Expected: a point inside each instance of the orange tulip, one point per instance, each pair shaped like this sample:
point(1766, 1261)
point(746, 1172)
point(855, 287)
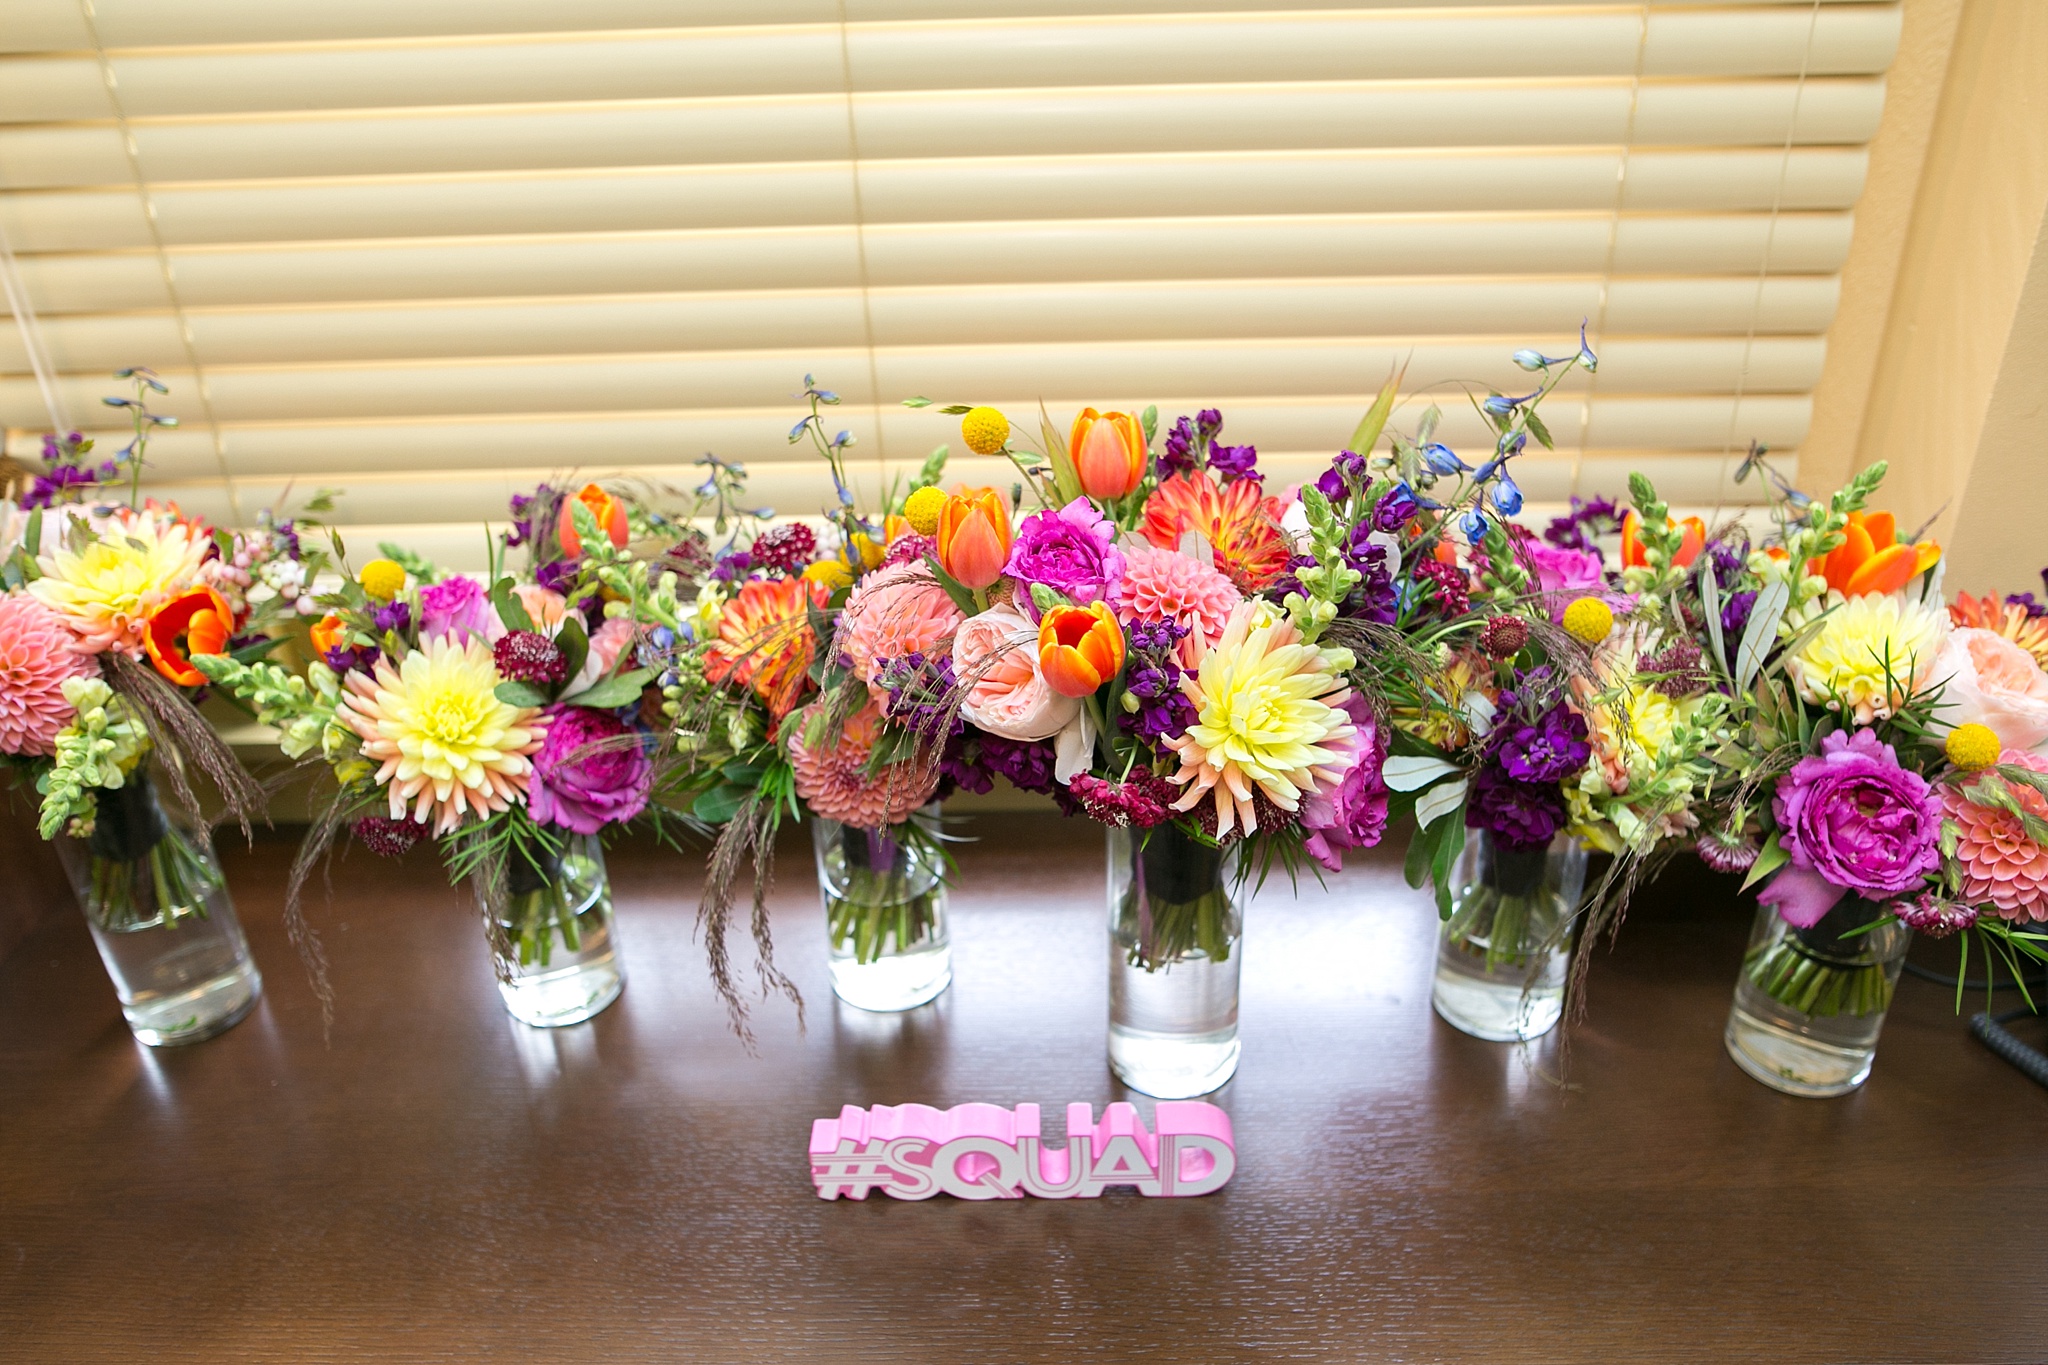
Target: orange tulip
point(329, 633)
point(204, 620)
point(610, 514)
point(1871, 558)
point(1689, 546)
point(974, 538)
point(1079, 648)
point(1108, 451)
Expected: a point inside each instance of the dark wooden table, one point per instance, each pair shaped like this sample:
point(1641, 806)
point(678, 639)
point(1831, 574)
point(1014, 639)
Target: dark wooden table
point(444, 1184)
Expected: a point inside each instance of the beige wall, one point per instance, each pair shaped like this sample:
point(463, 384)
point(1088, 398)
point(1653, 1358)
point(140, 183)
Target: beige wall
point(1936, 359)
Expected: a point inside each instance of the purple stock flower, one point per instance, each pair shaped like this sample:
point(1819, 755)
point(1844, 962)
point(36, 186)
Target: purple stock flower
point(347, 659)
point(558, 575)
point(1551, 750)
point(1072, 551)
point(591, 771)
point(455, 606)
point(1395, 509)
point(1025, 764)
point(395, 615)
point(1235, 462)
point(733, 566)
point(1589, 517)
point(1735, 616)
point(1853, 817)
point(1177, 456)
point(1519, 815)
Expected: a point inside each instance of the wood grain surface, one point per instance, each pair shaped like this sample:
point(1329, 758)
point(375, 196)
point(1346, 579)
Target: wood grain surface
point(442, 1183)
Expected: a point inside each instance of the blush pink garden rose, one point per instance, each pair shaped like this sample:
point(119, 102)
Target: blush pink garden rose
point(996, 654)
point(1992, 681)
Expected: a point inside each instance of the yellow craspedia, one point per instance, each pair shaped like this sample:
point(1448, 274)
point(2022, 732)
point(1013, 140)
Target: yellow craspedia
point(833, 573)
point(1589, 619)
point(985, 430)
point(382, 579)
point(921, 509)
point(1972, 747)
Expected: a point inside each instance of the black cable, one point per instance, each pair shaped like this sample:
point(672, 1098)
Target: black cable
point(1915, 969)
point(1991, 1031)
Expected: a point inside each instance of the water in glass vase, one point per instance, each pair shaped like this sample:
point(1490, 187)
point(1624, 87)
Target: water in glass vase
point(884, 893)
point(1174, 964)
point(562, 965)
point(162, 919)
point(1504, 953)
point(1810, 1003)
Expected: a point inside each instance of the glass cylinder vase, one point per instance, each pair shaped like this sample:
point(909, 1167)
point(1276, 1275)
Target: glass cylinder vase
point(1174, 931)
point(559, 963)
point(1810, 1002)
point(1503, 955)
point(885, 911)
point(161, 917)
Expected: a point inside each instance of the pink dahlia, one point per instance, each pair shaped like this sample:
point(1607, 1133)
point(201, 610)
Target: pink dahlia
point(2000, 863)
point(1166, 585)
point(36, 655)
point(834, 781)
point(891, 613)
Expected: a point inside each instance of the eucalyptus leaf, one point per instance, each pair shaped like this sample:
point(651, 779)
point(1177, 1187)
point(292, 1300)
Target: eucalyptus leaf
point(620, 691)
point(1710, 605)
point(1761, 632)
point(719, 805)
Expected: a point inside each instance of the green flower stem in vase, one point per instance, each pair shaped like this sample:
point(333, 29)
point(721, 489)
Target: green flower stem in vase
point(161, 917)
point(1505, 951)
point(1810, 1003)
point(884, 893)
point(560, 964)
point(1174, 926)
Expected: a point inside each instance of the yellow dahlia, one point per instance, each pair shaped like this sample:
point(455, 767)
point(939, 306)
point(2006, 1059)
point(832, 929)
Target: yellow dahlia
point(107, 592)
point(2003, 618)
point(1868, 654)
point(1266, 705)
point(448, 747)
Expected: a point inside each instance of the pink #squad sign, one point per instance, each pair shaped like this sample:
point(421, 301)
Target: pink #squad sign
point(984, 1151)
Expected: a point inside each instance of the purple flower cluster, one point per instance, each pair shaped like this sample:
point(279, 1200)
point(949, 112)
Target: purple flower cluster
point(732, 566)
point(394, 616)
point(1186, 443)
point(526, 510)
point(1235, 462)
point(1396, 508)
point(346, 659)
point(67, 470)
point(973, 762)
point(1346, 474)
point(1589, 517)
point(1548, 750)
point(785, 549)
point(1450, 595)
point(1519, 815)
point(591, 771)
point(2025, 601)
point(1735, 616)
point(1373, 598)
point(919, 686)
point(1153, 682)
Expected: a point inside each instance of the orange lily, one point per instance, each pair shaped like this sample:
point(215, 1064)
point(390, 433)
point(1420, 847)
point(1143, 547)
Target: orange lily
point(610, 514)
point(200, 615)
point(1689, 546)
point(1079, 648)
point(1108, 451)
point(974, 538)
point(1871, 558)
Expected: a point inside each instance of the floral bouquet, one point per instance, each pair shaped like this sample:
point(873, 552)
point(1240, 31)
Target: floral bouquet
point(502, 717)
point(1882, 770)
point(753, 746)
point(107, 601)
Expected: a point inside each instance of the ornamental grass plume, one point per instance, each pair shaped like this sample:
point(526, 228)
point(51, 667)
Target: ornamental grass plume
point(37, 654)
point(107, 592)
point(1239, 523)
point(833, 776)
point(2000, 864)
point(1269, 719)
point(448, 748)
point(1867, 655)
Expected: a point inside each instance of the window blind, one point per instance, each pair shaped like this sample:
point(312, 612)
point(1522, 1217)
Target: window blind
point(432, 253)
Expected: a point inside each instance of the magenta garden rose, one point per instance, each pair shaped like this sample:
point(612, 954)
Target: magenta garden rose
point(1072, 551)
point(591, 772)
point(1852, 819)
